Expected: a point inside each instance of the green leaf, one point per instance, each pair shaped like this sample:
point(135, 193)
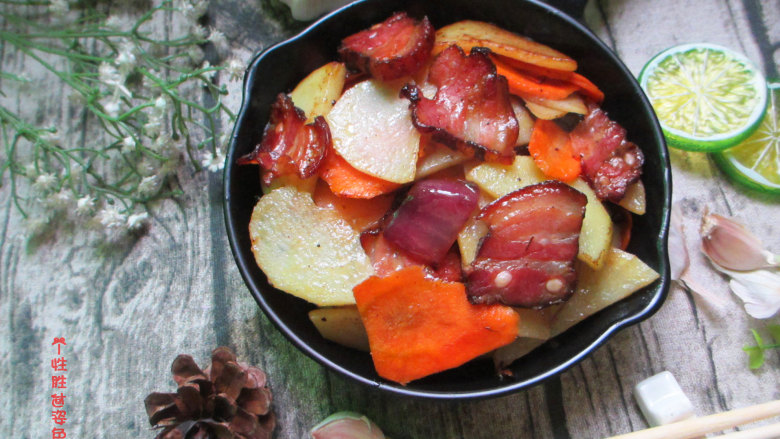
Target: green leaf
point(774, 331)
point(758, 338)
point(755, 356)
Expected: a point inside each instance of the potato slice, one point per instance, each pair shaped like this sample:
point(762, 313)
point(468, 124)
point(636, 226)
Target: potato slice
point(596, 233)
point(622, 275)
point(316, 93)
point(544, 112)
point(524, 121)
point(634, 200)
point(341, 325)
point(306, 250)
point(506, 355)
point(499, 180)
point(572, 104)
point(372, 130)
point(468, 34)
point(468, 240)
point(441, 157)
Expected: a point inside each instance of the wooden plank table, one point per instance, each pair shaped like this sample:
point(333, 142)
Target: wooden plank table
point(127, 310)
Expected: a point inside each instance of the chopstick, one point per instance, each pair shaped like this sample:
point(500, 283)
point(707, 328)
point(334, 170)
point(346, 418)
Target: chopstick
point(696, 427)
point(765, 432)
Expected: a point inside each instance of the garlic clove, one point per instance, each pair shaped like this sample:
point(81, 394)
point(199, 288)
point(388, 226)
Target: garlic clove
point(730, 245)
point(346, 425)
point(759, 289)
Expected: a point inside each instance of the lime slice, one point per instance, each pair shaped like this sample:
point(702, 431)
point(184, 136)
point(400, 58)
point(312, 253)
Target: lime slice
point(707, 97)
point(756, 161)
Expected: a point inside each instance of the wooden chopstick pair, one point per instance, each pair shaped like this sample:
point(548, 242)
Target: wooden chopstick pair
point(697, 427)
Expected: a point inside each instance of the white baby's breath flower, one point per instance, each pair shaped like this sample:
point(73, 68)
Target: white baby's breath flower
point(30, 170)
point(148, 186)
point(60, 200)
point(45, 182)
point(235, 68)
point(52, 137)
point(137, 220)
point(193, 9)
point(199, 32)
point(196, 55)
point(111, 105)
point(128, 144)
point(219, 40)
point(125, 59)
point(85, 206)
point(162, 144)
point(111, 218)
point(154, 127)
point(210, 72)
point(109, 75)
point(213, 162)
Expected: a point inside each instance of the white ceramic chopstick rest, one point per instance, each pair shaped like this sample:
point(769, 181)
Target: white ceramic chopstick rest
point(662, 400)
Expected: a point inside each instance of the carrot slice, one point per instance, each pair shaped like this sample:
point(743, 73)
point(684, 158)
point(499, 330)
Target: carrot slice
point(346, 181)
point(552, 151)
point(360, 213)
point(582, 83)
point(528, 84)
point(418, 326)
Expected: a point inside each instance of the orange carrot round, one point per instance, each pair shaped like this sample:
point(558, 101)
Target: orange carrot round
point(418, 325)
point(346, 181)
point(552, 151)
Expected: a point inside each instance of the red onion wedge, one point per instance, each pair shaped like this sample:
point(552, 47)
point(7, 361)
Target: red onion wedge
point(427, 223)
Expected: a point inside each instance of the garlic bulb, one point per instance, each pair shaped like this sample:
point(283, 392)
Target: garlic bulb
point(346, 425)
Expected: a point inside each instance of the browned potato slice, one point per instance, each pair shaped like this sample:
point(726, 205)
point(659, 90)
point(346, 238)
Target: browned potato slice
point(341, 325)
point(371, 128)
point(316, 93)
point(596, 233)
point(621, 275)
point(634, 200)
point(306, 250)
point(468, 34)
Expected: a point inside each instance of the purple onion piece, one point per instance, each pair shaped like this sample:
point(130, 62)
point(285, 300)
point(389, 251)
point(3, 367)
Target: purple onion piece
point(428, 221)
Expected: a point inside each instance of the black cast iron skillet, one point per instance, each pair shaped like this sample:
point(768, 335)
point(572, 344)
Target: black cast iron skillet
point(279, 68)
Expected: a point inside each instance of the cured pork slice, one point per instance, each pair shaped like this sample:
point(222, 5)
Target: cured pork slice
point(289, 145)
point(527, 257)
point(471, 110)
point(397, 47)
point(610, 163)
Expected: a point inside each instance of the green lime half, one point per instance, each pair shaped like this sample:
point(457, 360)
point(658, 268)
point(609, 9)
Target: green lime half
point(707, 97)
point(756, 161)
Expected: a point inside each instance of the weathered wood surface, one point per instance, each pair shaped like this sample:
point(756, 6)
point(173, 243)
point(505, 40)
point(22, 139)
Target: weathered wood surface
point(128, 311)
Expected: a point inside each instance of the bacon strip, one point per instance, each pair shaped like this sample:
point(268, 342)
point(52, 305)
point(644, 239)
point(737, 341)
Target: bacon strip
point(386, 258)
point(471, 110)
point(610, 163)
point(289, 146)
point(527, 257)
point(395, 48)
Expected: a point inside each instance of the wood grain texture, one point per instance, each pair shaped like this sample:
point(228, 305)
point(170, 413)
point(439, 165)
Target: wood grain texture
point(126, 311)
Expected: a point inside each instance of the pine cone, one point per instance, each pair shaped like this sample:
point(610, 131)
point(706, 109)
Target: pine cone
point(229, 400)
